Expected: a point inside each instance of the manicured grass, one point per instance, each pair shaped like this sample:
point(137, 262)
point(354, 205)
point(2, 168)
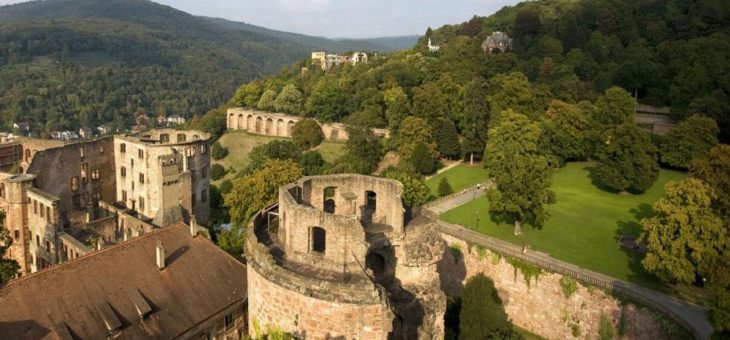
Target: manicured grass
point(583, 225)
point(331, 151)
point(460, 177)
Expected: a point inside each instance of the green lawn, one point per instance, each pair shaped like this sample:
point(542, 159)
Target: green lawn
point(460, 177)
point(240, 144)
point(583, 223)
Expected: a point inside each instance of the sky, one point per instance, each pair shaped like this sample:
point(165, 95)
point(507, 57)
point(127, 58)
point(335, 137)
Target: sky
point(341, 18)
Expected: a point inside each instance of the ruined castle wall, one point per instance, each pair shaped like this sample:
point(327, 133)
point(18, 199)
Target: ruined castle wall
point(312, 318)
point(14, 202)
point(389, 209)
point(542, 307)
point(68, 172)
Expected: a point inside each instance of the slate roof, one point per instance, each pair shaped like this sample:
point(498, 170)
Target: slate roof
point(111, 288)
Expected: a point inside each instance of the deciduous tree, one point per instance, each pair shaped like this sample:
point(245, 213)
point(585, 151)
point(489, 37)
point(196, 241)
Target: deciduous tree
point(482, 314)
point(714, 169)
point(627, 159)
point(691, 139)
point(522, 174)
point(289, 100)
point(397, 107)
point(8, 267)
point(415, 191)
point(412, 131)
point(566, 131)
point(614, 107)
point(259, 189)
point(476, 117)
point(266, 102)
point(306, 134)
point(684, 236)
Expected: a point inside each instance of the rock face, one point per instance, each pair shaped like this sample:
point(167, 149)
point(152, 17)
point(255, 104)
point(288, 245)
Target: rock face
point(336, 258)
point(542, 306)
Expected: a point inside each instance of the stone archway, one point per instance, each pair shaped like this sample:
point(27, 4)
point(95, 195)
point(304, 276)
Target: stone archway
point(250, 124)
point(269, 127)
point(232, 122)
point(240, 121)
point(289, 127)
point(280, 128)
point(259, 123)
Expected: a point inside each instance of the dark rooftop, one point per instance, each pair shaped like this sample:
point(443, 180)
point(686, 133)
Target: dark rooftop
point(120, 291)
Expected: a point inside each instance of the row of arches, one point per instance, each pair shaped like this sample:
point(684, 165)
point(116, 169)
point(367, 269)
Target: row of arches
point(262, 125)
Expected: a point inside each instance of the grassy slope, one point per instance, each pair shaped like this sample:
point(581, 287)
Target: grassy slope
point(240, 144)
point(460, 177)
point(583, 224)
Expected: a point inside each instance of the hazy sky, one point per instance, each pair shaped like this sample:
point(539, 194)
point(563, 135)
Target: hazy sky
point(341, 18)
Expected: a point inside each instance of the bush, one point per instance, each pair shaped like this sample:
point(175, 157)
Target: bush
point(605, 329)
point(312, 163)
point(225, 186)
point(569, 286)
point(217, 172)
point(421, 159)
point(444, 187)
point(306, 134)
point(218, 151)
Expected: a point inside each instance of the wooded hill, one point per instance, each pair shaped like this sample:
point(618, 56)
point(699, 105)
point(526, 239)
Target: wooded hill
point(66, 64)
point(668, 53)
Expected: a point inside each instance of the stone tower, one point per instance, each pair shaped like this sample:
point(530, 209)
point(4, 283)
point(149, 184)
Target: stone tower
point(336, 258)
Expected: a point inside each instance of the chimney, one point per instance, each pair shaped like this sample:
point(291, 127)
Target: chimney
point(160, 255)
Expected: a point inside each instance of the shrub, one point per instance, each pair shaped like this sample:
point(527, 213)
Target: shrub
point(312, 163)
point(605, 329)
point(444, 187)
point(569, 286)
point(456, 253)
point(218, 151)
point(225, 186)
point(306, 134)
point(217, 172)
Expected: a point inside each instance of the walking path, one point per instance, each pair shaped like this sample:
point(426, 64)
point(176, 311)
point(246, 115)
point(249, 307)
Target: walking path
point(446, 168)
point(691, 316)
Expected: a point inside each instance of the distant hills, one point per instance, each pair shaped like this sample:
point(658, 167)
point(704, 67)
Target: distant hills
point(67, 64)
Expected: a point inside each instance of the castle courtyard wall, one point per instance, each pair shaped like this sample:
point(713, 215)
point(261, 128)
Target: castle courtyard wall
point(542, 307)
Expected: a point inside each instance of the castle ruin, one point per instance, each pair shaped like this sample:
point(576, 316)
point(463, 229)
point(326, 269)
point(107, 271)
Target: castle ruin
point(339, 257)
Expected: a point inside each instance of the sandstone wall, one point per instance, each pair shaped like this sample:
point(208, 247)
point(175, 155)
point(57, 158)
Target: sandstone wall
point(306, 317)
point(542, 306)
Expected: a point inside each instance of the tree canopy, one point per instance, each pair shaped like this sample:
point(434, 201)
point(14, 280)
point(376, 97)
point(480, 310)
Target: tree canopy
point(627, 159)
point(522, 174)
point(691, 139)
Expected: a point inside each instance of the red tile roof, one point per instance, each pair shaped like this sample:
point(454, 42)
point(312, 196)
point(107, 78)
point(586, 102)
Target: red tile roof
point(114, 286)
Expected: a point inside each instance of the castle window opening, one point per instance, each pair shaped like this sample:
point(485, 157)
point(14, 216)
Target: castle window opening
point(48, 213)
point(75, 183)
point(180, 137)
point(37, 240)
point(48, 246)
point(141, 203)
point(27, 155)
point(319, 240)
point(41, 210)
point(141, 178)
point(17, 234)
point(329, 199)
point(164, 138)
point(2, 190)
point(140, 153)
point(81, 151)
point(122, 147)
point(123, 171)
point(203, 148)
point(371, 202)
point(229, 321)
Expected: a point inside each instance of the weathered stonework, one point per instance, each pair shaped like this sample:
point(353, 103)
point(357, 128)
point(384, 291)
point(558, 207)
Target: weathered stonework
point(280, 124)
point(542, 307)
point(75, 198)
point(335, 258)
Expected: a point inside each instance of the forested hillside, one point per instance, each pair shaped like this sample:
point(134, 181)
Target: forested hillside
point(67, 64)
point(668, 53)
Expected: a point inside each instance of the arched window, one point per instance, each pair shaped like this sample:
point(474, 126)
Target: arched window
point(371, 202)
point(181, 137)
point(329, 199)
point(319, 240)
point(164, 138)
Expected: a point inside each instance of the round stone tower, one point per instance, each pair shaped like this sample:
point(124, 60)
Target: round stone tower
point(336, 258)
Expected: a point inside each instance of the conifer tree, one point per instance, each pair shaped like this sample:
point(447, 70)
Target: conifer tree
point(476, 117)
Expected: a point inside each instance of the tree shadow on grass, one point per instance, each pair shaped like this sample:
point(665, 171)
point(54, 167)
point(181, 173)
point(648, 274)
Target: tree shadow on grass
point(632, 228)
point(595, 181)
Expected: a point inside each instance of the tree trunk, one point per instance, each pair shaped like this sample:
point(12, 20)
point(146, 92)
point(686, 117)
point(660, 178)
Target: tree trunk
point(471, 159)
point(518, 227)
